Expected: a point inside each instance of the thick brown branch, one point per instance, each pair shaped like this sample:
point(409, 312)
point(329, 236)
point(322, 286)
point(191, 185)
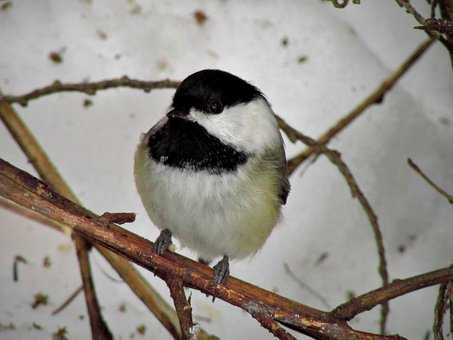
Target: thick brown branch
point(429, 181)
point(31, 193)
point(182, 306)
point(90, 88)
point(28, 143)
point(375, 97)
point(397, 288)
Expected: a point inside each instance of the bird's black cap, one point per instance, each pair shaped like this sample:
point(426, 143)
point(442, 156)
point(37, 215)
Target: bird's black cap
point(210, 91)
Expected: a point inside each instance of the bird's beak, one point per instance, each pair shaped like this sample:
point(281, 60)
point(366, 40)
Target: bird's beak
point(177, 114)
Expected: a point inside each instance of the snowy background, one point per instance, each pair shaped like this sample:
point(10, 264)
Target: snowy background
point(347, 54)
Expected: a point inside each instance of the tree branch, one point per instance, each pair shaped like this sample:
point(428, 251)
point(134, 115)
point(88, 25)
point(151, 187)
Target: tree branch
point(68, 300)
point(441, 191)
point(90, 88)
point(31, 193)
point(448, 43)
point(182, 306)
point(397, 288)
point(439, 311)
point(376, 97)
point(99, 328)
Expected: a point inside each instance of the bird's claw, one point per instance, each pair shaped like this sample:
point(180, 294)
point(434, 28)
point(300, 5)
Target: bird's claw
point(221, 271)
point(163, 242)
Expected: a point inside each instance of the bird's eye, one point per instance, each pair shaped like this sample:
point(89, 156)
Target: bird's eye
point(215, 107)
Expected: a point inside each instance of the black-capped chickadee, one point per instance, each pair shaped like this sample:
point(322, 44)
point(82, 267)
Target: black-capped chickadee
point(213, 171)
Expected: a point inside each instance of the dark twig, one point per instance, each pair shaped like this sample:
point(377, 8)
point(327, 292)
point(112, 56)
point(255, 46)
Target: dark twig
point(17, 259)
point(411, 10)
point(450, 303)
point(434, 4)
point(441, 191)
point(25, 190)
point(440, 25)
point(375, 97)
point(99, 328)
point(448, 43)
point(68, 300)
point(356, 192)
point(90, 88)
point(182, 306)
point(439, 312)
point(397, 288)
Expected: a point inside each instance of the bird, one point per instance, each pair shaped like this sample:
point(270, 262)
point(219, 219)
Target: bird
point(212, 172)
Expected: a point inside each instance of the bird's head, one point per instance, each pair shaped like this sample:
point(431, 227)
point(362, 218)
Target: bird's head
point(228, 107)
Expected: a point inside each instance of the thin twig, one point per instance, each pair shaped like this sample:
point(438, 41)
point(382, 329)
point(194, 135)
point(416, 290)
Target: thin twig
point(356, 192)
point(406, 4)
point(411, 10)
point(450, 303)
point(99, 328)
point(31, 193)
point(397, 288)
point(429, 181)
point(182, 306)
point(68, 300)
point(90, 88)
point(305, 286)
point(375, 97)
point(439, 311)
point(17, 259)
point(141, 288)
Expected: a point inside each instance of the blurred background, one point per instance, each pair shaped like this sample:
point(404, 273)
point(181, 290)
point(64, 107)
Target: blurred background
point(314, 63)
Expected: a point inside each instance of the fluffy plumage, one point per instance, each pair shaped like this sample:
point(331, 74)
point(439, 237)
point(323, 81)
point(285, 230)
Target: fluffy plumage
point(214, 171)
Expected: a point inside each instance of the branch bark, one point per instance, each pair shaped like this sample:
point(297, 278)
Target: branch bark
point(90, 88)
point(99, 328)
point(397, 288)
point(25, 190)
point(182, 306)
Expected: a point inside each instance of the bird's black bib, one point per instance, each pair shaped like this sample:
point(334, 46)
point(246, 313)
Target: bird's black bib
point(188, 145)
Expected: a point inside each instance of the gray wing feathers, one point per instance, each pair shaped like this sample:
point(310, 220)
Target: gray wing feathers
point(285, 186)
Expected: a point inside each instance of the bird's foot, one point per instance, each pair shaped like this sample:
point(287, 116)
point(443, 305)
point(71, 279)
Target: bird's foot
point(162, 242)
point(221, 270)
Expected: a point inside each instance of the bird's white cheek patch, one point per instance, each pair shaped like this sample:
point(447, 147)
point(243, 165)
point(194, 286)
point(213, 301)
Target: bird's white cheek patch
point(250, 127)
